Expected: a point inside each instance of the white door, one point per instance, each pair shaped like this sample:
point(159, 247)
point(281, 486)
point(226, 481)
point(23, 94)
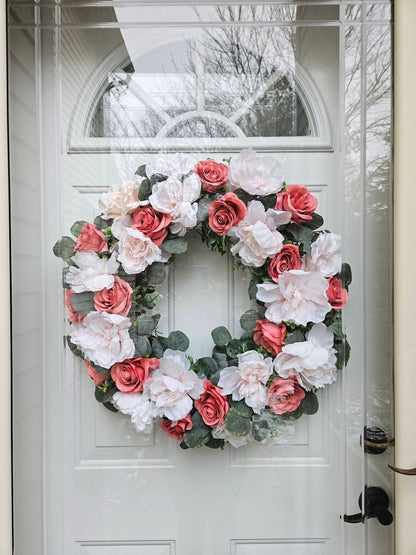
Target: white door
point(113, 86)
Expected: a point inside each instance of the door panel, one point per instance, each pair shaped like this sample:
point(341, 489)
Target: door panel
point(116, 85)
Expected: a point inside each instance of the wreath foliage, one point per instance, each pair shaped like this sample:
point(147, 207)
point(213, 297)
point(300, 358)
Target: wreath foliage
point(292, 341)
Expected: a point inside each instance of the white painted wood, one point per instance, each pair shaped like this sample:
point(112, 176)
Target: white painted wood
point(110, 490)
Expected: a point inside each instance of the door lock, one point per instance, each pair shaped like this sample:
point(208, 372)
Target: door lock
point(376, 506)
point(375, 440)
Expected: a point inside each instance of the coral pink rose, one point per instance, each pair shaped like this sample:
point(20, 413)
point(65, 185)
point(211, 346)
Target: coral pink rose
point(96, 376)
point(284, 395)
point(74, 316)
point(225, 212)
point(337, 296)
point(213, 176)
point(131, 374)
point(151, 223)
point(91, 239)
point(177, 428)
point(212, 405)
point(270, 336)
point(116, 300)
point(288, 258)
point(298, 200)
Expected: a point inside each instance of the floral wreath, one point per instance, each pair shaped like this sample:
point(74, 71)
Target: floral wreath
point(292, 342)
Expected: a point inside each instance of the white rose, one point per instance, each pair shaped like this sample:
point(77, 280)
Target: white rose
point(103, 338)
point(221, 432)
point(93, 273)
point(258, 175)
point(248, 380)
point(325, 255)
point(299, 297)
point(121, 199)
point(172, 386)
point(119, 225)
point(258, 236)
point(136, 251)
point(142, 411)
point(177, 198)
point(177, 164)
point(313, 361)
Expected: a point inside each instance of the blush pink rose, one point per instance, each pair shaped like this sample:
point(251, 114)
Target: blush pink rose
point(178, 428)
point(284, 395)
point(116, 300)
point(213, 175)
point(270, 336)
point(212, 405)
point(91, 239)
point(337, 296)
point(96, 376)
point(131, 374)
point(288, 258)
point(74, 316)
point(151, 223)
point(225, 212)
point(297, 200)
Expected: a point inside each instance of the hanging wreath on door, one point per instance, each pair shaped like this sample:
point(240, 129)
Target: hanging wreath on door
point(292, 342)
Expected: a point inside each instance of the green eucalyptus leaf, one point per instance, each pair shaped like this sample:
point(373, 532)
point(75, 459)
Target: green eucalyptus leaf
point(199, 434)
point(157, 178)
point(214, 443)
point(248, 320)
point(262, 425)
point(237, 425)
point(65, 284)
point(100, 369)
point(336, 328)
point(310, 403)
point(65, 249)
point(220, 359)
point(101, 224)
point(252, 289)
point(202, 214)
point(157, 273)
point(295, 336)
point(142, 346)
point(205, 365)
point(83, 302)
point(316, 222)
point(145, 189)
point(178, 341)
point(234, 347)
point(290, 416)
point(141, 171)
point(221, 336)
point(346, 275)
point(178, 245)
point(241, 408)
point(109, 406)
point(145, 325)
point(73, 348)
point(157, 347)
point(302, 235)
point(77, 227)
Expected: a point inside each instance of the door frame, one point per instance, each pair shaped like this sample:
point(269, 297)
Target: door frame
point(404, 291)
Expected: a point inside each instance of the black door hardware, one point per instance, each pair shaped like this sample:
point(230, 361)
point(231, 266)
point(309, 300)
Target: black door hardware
point(376, 506)
point(376, 441)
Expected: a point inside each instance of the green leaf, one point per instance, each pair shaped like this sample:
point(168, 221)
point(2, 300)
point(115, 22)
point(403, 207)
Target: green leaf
point(252, 289)
point(310, 403)
point(262, 425)
point(145, 189)
point(246, 336)
point(100, 369)
point(145, 325)
point(289, 416)
point(199, 434)
point(347, 352)
point(157, 273)
point(157, 347)
point(83, 302)
point(221, 336)
point(141, 170)
point(104, 396)
point(142, 346)
point(202, 213)
point(346, 275)
point(178, 341)
point(205, 365)
point(221, 360)
point(101, 224)
point(234, 347)
point(76, 228)
point(294, 337)
point(183, 445)
point(73, 348)
point(248, 320)
point(268, 201)
point(65, 284)
point(315, 223)
point(302, 235)
point(109, 406)
point(241, 408)
point(175, 246)
point(214, 443)
point(237, 425)
point(336, 328)
point(157, 178)
point(65, 249)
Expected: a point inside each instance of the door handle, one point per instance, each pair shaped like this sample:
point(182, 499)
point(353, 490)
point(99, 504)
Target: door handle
point(375, 440)
point(376, 506)
point(406, 471)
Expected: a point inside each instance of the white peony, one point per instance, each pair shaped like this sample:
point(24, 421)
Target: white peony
point(325, 255)
point(136, 251)
point(221, 432)
point(93, 273)
point(178, 198)
point(121, 199)
point(258, 236)
point(248, 380)
point(299, 297)
point(313, 361)
point(142, 411)
point(177, 164)
point(120, 224)
point(103, 338)
point(258, 175)
point(172, 386)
